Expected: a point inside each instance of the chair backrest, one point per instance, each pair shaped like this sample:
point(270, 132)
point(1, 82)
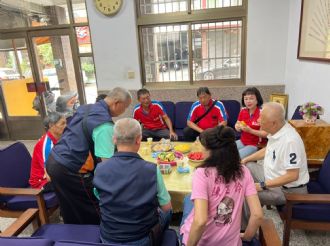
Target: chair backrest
point(323, 178)
point(233, 108)
point(15, 165)
point(73, 243)
point(181, 114)
point(296, 115)
point(170, 110)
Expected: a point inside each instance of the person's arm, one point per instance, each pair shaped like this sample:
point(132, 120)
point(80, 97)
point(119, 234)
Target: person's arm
point(163, 196)
point(256, 216)
point(223, 123)
point(290, 176)
point(238, 126)
point(199, 221)
point(259, 133)
point(193, 126)
point(255, 156)
point(170, 127)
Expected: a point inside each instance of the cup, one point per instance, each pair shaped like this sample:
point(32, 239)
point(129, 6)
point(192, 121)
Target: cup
point(149, 141)
point(145, 151)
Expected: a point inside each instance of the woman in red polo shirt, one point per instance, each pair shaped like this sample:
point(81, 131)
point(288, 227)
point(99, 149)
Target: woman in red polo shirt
point(248, 123)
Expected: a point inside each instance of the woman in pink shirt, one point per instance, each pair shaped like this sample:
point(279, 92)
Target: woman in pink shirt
point(219, 189)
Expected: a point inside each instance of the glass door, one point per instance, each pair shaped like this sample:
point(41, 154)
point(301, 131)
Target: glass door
point(18, 119)
point(36, 68)
point(57, 67)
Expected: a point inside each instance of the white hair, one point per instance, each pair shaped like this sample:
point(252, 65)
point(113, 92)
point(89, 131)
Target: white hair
point(120, 94)
point(126, 131)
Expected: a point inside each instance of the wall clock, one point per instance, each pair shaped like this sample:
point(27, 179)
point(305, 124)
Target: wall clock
point(108, 7)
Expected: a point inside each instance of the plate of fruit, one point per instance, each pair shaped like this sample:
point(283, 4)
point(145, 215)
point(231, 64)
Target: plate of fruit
point(196, 157)
point(162, 147)
point(183, 148)
point(169, 157)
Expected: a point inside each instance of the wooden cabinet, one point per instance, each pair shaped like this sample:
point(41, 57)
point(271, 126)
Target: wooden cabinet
point(316, 138)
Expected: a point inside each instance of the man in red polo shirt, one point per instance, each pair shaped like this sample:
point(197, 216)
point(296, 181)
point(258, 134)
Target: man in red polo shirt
point(204, 113)
point(153, 118)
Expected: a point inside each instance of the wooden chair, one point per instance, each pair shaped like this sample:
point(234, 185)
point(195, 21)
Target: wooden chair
point(16, 196)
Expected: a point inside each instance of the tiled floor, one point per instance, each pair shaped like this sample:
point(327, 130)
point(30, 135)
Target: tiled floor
point(298, 237)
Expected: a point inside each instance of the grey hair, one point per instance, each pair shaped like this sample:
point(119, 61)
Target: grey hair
point(51, 118)
point(277, 112)
point(126, 131)
point(120, 94)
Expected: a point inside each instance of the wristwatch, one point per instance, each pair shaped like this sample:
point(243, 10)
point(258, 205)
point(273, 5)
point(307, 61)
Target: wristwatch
point(263, 185)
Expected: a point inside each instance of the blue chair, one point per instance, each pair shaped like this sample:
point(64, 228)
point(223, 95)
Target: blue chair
point(16, 196)
point(296, 115)
point(309, 211)
point(233, 108)
point(181, 114)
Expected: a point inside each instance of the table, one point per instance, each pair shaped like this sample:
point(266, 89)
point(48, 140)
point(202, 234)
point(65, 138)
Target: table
point(316, 138)
point(177, 184)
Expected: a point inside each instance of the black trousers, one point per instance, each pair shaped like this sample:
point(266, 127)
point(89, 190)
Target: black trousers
point(75, 194)
point(189, 134)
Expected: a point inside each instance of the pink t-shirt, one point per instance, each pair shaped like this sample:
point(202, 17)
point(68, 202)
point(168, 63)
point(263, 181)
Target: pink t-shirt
point(225, 202)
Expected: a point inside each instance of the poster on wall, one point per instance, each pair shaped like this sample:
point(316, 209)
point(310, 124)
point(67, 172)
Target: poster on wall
point(314, 35)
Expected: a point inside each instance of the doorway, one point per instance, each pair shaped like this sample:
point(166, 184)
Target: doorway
point(36, 67)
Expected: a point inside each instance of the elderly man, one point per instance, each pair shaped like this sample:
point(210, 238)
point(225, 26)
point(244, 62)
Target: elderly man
point(153, 118)
point(204, 113)
point(131, 190)
point(284, 166)
point(90, 130)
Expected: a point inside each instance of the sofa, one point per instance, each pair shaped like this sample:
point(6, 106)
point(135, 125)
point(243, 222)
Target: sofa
point(179, 111)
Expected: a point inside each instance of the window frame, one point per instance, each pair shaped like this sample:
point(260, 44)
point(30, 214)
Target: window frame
point(191, 17)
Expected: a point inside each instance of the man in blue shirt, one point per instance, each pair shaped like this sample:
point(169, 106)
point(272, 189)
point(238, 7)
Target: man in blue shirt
point(133, 197)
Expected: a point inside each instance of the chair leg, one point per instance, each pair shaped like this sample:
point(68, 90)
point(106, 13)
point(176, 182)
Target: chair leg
point(42, 210)
point(286, 233)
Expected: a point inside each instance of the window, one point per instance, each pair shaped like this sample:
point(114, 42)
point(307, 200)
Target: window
point(192, 41)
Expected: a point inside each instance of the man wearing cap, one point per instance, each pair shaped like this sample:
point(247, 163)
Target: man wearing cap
point(90, 130)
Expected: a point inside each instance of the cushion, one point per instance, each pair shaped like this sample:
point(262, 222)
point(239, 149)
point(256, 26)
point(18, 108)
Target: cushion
point(56, 232)
point(170, 110)
point(315, 187)
point(296, 115)
point(179, 132)
point(182, 110)
point(324, 179)
point(170, 238)
point(233, 108)
point(25, 241)
point(25, 202)
point(312, 212)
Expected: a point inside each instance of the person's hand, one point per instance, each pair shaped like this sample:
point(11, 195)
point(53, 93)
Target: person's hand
point(244, 238)
point(258, 188)
point(238, 127)
point(246, 128)
point(173, 135)
point(244, 161)
point(47, 177)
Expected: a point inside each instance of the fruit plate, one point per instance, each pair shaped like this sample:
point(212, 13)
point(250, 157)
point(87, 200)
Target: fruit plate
point(161, 147)
point(183, 148)
point(196, 157)
point(178, 156)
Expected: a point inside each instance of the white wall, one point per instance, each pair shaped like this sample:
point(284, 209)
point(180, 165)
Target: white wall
point(115, 46)
point(305, 80)
point(267, 34)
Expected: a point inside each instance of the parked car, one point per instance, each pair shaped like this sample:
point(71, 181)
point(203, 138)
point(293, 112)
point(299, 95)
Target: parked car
point(8, 74)
point(230, 68)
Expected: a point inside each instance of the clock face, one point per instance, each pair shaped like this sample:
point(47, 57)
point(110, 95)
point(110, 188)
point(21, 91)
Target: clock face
point(108, 7)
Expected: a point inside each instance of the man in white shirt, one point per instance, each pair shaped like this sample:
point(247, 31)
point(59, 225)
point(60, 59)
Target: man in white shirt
point(284, 165)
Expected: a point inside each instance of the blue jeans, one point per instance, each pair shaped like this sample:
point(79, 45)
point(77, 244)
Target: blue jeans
point(164, 221)
point(188, 206)
point(245, 150)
